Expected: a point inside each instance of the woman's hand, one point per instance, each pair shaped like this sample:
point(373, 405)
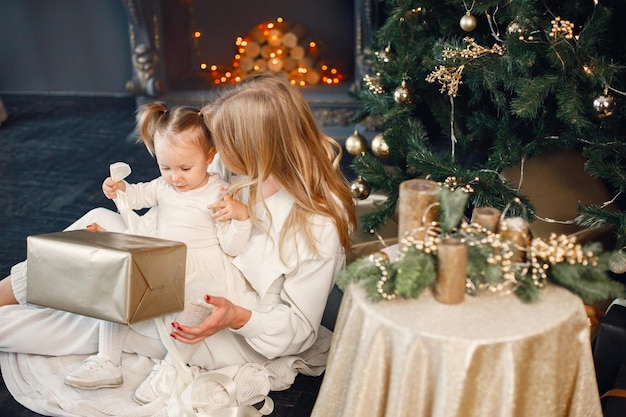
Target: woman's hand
point(229, 208)
point(110, 187)
point(225, 315)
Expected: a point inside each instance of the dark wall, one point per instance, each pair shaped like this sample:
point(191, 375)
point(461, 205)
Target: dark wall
point(64, 46)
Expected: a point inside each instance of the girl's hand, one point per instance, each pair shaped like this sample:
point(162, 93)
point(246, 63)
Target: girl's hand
point(225, 315)
point(110, 187)
point(95, 227)
point(229, 209)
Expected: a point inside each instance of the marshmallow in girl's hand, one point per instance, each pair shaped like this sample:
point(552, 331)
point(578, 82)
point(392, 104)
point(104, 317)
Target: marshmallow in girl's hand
point(119, 171)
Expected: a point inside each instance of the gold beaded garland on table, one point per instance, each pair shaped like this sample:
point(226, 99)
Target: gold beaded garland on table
point(381, 260)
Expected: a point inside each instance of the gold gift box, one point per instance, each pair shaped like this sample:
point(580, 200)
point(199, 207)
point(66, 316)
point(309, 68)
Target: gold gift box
point(111, 276)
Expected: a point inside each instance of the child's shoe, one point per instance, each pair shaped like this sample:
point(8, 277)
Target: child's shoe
point(144, 394)
point(95, 372)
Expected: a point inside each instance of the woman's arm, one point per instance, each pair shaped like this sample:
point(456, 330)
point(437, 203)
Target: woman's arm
point(289, 323)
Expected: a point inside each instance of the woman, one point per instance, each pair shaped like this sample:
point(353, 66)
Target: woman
point(300, 216)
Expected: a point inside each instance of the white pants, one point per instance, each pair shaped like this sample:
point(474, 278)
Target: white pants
point(32, 329)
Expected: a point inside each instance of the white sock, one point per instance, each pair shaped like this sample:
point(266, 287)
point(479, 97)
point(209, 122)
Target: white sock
point(192, 315)
point(111, 340)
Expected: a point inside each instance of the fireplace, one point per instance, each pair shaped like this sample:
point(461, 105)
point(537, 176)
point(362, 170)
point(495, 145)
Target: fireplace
point(171, 40)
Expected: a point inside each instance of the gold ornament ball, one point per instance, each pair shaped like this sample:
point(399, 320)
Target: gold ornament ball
point(401, 95)
point(380, 148)
point(356, 143)
point(360, 188)
point(617, 262)
point(468, 22)
point(604, 105)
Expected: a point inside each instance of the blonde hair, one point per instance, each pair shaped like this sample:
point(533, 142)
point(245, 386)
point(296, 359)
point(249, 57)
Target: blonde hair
point(156, 120)
point(264, 127)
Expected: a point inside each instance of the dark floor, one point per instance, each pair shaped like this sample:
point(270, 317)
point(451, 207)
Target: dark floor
point(55, 152)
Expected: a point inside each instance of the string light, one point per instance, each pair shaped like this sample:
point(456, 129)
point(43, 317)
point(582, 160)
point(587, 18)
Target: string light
point(269, 46)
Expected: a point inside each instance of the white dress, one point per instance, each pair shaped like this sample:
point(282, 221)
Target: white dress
point(184, 217)
point(283, 337)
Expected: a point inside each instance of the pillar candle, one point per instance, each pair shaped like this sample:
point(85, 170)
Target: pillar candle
point(515, 229)
point(418, 207)
point(451, 271)
point(487, 217)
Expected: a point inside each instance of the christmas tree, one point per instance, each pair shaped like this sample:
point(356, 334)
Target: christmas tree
point(465, 89)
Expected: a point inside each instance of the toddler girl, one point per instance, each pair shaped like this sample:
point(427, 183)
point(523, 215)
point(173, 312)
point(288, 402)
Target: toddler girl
point(183, 148)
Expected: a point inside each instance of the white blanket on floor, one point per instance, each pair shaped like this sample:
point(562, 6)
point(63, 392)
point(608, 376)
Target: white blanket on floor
point(36, 382)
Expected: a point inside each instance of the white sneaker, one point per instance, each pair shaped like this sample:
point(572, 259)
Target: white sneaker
point(144, 394)
point(95, 372)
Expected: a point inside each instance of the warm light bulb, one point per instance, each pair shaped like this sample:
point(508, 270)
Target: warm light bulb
point(203, 66)
point(312, 44)
point(279, 19)
point(244, 43)
point(213, 67)
point(197, 34)
point(324, 67)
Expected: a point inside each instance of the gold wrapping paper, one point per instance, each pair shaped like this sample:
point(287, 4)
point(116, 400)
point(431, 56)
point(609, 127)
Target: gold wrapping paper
point(490, 356)
point(111, 276)
point(418, 208)
point(451, 271)
point(516, 230)
point(487, 217)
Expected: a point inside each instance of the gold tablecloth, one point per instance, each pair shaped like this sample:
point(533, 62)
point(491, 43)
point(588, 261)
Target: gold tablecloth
point(491, 355)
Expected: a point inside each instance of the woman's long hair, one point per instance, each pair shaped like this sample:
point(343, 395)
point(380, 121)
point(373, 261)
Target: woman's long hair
point(264, 126)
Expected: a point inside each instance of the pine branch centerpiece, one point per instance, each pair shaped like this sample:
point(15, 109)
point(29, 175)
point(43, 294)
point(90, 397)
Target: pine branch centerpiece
point(496, 254)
